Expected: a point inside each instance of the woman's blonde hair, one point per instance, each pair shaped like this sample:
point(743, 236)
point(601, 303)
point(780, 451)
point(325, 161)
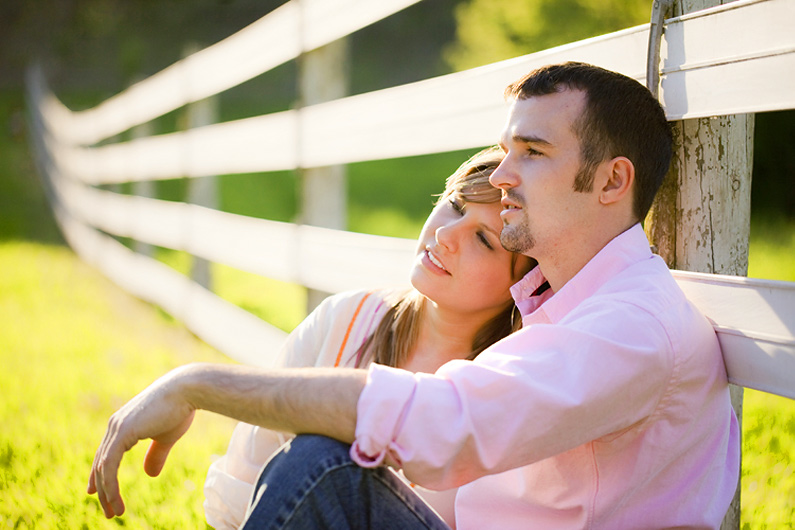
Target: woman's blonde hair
point(397, 333)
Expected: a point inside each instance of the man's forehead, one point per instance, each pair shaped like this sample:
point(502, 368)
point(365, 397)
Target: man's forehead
point(543, 117)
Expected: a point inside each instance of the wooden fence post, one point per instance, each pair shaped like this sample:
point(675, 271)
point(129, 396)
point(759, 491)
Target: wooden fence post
point(323, 76)
point(143, 188)
point(203, 190)
point(701, 218)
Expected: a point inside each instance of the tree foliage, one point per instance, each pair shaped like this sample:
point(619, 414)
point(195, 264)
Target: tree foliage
point(492, 30)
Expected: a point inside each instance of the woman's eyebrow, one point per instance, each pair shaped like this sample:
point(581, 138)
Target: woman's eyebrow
point(490, 229)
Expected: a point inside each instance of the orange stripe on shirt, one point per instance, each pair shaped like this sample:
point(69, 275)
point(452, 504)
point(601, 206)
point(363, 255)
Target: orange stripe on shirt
point(348, 332)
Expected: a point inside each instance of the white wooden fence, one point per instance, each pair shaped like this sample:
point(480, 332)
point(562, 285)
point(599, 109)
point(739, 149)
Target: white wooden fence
point(753, 70)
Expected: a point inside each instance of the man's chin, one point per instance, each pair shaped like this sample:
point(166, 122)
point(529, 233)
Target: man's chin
point(515, 242)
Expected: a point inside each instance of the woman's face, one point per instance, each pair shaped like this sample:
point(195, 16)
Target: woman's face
point(460, 263)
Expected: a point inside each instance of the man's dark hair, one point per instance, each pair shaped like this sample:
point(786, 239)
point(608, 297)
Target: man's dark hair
point(621, 118)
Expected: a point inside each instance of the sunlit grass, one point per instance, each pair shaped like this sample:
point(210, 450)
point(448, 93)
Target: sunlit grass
point(768, 477)
point(74, 348)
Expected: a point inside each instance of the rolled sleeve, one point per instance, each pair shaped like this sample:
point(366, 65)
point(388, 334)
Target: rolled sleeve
point(381, 408)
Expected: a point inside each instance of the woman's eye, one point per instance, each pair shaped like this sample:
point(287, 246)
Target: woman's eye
point(457, 205)
point(485, 240)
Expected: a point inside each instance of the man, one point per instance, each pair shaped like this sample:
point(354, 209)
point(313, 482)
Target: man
point(609, 409)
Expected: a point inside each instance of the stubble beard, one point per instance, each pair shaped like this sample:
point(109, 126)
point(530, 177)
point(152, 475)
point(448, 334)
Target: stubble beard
point(517, 237)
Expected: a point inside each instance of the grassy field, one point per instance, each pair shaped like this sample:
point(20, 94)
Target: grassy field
point(74, 347)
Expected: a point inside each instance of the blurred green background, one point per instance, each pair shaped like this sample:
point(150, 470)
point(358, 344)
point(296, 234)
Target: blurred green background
point(74, 347)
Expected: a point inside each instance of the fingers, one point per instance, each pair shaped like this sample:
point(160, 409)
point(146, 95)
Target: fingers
point(103, 479)
point(92, 487)
point(108, 487)
point(155, 458)
point(161, 445)
point(110, 507)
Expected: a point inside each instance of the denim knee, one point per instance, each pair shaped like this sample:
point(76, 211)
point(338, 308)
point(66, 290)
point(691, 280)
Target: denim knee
point(313, 483)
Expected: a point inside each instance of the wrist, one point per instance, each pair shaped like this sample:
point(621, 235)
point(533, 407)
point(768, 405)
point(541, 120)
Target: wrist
point(186, 384)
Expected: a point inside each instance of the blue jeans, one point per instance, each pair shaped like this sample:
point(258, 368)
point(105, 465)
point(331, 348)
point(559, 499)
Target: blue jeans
point(313, 483)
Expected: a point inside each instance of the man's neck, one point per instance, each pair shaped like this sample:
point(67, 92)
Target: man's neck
point(562, 266)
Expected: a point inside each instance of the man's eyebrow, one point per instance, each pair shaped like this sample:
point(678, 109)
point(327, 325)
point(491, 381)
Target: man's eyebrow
point(537, 140)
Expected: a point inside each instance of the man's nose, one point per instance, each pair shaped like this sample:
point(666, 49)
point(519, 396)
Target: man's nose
point(504, 176)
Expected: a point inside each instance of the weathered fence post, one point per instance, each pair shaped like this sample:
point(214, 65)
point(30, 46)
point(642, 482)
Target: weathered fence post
point(203, 190)
point(700, 220)
point(323, 76)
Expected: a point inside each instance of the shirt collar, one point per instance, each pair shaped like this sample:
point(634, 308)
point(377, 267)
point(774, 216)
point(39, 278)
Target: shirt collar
point(622, 251)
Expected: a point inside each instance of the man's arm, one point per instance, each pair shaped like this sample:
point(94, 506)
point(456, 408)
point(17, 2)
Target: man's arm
point(304, 400)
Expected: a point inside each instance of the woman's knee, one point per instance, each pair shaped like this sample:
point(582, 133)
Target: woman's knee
point(306, 455)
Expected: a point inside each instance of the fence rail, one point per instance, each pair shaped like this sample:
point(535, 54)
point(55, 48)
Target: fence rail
point(285, 33)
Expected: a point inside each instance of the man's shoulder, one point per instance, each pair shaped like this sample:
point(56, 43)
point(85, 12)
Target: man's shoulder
point(646, 292)
point(647, 283)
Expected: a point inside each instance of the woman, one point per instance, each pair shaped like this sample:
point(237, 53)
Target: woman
point(459, 305)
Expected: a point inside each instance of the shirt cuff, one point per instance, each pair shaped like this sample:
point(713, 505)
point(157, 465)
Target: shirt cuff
point(380, 411)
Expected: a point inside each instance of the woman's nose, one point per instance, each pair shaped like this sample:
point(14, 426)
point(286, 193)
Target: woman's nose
point(446, 236)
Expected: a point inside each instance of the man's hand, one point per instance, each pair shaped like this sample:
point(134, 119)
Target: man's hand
point(161, 413)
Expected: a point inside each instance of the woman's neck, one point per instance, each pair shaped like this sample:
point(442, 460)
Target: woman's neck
point(443, 336)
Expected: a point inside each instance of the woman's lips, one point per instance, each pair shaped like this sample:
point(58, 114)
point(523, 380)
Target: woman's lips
point(435, 263)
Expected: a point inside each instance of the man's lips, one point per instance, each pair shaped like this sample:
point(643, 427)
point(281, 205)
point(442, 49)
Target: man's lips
point(508, 204)
point(511, 201)
point(508, 208)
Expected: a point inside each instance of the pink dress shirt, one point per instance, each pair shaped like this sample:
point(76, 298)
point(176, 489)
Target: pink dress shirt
point(609, 409)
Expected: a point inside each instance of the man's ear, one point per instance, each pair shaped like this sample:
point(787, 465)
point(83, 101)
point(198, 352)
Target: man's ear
point(618, 180)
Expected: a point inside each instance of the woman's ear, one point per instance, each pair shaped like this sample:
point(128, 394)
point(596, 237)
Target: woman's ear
point(619, 180)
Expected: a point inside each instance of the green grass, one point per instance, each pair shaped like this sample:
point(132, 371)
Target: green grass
point(74, 348)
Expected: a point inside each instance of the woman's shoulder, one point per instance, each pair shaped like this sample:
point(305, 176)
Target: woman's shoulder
point(343, 322)
point(347, 303)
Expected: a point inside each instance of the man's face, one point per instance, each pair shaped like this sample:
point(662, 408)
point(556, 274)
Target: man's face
point(542, 213)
